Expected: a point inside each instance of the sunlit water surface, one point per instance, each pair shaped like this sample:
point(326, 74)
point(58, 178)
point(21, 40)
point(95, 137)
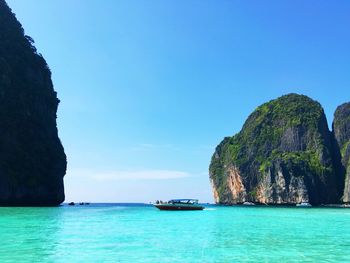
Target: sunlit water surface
point(140, 233)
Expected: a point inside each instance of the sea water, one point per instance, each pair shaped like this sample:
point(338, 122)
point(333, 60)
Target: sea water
point(141, 233)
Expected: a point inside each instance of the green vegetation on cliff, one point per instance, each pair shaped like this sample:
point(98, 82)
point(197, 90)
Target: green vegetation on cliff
point(287, 136)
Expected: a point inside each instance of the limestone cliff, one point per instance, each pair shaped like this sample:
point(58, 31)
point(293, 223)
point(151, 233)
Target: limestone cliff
point(282, 155)
point(32, 159)
point(341, 130)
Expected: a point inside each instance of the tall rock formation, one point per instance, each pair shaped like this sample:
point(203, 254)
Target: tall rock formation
point(282, 155)
point(341, 130)
point(32, 159)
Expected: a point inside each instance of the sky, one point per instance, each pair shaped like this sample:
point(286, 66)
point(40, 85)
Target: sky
point(149, 88)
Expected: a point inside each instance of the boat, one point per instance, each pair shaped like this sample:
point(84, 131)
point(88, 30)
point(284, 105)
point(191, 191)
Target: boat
point(179, 204)
point(304, 204)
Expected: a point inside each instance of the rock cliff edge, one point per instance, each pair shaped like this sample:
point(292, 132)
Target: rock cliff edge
point(32, 158)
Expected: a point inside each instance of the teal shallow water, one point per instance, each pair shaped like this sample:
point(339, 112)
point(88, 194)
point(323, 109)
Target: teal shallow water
point(122, 233)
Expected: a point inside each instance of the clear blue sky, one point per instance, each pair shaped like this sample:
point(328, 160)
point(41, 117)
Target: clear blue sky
point(149, 88)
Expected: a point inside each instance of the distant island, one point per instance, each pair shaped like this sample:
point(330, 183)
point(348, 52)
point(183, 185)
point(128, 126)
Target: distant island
point(32, 158)
point(285, 154)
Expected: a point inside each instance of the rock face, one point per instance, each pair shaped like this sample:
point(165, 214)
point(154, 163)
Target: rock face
point(341, 130)
point(282, 155)
point(32, 159)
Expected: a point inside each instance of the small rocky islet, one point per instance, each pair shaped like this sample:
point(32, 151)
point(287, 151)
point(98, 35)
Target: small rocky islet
point(285, 154)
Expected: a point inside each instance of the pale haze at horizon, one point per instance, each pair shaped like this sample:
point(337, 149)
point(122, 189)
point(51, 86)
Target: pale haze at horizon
point(149, 88)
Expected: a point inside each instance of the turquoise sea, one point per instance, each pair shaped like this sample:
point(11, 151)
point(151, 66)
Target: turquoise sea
point(141, 233)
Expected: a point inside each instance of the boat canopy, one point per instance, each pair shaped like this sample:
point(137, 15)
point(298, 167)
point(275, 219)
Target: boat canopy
point(188, 200)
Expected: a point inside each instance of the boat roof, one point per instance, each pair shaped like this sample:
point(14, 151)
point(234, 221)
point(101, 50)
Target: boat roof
point(184, 199)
